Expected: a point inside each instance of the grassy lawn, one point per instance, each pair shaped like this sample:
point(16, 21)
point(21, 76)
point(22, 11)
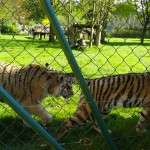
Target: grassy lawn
point(114, 57)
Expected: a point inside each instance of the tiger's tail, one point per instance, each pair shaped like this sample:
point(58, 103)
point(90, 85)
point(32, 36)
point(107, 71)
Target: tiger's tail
point(82, 114)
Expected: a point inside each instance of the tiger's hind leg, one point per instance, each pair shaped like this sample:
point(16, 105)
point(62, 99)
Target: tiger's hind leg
point(96, 127)
point(145, 115)
point(82, 114)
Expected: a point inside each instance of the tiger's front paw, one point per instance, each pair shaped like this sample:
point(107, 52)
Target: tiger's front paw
point(26, 124)
point(97, 129)
point(140, 130)
point(47, 120)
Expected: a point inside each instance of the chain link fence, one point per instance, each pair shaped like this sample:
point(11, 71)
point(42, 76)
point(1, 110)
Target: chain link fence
point(107, 38)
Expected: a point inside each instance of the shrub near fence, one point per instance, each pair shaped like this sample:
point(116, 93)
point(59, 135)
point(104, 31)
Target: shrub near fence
point(116, 56)
point(126, 33)
point(7, 29)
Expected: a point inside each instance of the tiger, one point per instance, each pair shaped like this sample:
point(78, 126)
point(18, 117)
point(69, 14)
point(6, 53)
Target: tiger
point(124, 90)
point(31, 84)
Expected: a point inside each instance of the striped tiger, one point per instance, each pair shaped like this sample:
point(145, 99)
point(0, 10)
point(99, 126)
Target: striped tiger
point(126, 90)
point(30, 85)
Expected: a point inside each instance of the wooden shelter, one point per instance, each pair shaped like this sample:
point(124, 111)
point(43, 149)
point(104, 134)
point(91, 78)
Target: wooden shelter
point(85, 30)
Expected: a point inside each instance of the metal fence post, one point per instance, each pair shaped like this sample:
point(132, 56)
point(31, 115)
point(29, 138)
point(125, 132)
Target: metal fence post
point(71, 59)
point(27, 117)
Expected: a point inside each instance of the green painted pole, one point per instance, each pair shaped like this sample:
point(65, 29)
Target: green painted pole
point(27, 117)
point(76, 70)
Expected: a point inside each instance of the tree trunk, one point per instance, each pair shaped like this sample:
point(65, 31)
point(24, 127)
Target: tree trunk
point(91, 37)
point(103, 34)
point(71, 35)
point(98, 36)
point(143, 32)
point(51, 34)
point(92, 26)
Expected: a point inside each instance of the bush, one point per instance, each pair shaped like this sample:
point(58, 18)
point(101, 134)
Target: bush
point(126, 33)
point(7, 28)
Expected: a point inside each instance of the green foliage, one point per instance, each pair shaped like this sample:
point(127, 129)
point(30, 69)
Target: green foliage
point(124, 9)
point(143, 10)
point(34, 10)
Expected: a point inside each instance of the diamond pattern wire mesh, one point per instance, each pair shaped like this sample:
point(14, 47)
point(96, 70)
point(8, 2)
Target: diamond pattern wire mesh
point(121, 52)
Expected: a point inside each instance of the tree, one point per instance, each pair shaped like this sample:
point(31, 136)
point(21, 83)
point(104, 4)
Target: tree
point(143, 13)
point(35, 12)
point(124, 9)
point(104, 10)
point(98, 14)
point(69, 12)
point(139, 8)
point(123, 12)
point(9, 14)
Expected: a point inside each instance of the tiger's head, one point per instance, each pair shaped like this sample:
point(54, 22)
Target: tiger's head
point(60, 83)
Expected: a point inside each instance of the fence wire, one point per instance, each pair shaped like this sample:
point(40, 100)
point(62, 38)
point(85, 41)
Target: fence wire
point(107, 38)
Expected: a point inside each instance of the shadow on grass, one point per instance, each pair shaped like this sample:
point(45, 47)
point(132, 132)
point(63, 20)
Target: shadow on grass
point(123, 133)
point(34, 42)
point(14, 134)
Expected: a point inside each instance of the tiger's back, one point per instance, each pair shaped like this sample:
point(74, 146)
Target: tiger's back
point(18, 80)
point(126, 90)
point(9, 77)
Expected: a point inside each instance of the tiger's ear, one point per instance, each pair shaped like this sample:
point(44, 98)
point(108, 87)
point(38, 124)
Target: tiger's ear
point(71, 78)
point(48, 67)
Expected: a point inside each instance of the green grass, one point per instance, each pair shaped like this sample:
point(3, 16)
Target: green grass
point(114, 57)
